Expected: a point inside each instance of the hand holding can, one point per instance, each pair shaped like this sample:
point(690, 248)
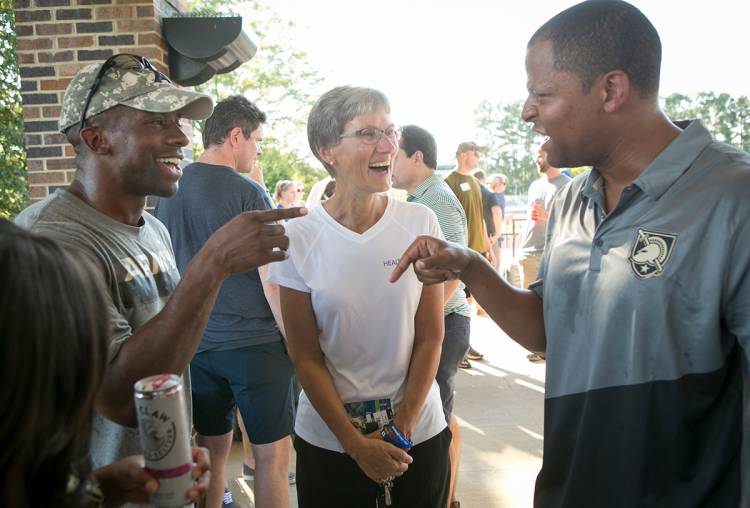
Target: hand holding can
point(538, 211)
point(165, 437)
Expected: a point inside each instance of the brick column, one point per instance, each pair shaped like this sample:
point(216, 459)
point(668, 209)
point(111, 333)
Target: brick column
point(55, 39)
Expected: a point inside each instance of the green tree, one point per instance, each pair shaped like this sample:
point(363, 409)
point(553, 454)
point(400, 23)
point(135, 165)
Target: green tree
point(726, 117)
point(13, 185)
point(281, 81)
point(511, 144)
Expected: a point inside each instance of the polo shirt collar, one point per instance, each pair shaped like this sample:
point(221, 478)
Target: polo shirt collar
point(593, 184)
point(668, 166)
point(422, 187)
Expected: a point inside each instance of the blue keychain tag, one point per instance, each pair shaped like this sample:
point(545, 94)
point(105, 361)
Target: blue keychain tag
point(394, 436)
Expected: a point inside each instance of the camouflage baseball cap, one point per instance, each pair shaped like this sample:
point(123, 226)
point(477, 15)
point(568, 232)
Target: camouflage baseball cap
point(131, 83)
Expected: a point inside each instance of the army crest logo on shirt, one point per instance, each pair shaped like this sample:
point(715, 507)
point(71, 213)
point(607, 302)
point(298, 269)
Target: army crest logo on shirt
point(651, 253)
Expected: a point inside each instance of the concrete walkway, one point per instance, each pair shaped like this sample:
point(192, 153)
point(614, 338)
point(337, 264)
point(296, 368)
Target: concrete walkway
point(499, 404)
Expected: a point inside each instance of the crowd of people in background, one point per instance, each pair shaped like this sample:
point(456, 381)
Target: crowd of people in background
point(337, 329)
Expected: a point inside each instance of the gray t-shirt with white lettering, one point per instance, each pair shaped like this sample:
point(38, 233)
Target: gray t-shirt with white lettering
point(137, 266)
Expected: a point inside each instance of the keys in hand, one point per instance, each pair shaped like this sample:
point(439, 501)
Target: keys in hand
point(386, 497)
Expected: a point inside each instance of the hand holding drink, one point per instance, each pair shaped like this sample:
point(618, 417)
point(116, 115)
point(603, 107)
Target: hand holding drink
point(165, 437)
point(538, 211)
point(128, 481)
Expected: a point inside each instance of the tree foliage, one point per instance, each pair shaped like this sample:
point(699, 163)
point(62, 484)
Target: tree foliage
point(512, 145)
point(283, 84)
point(13, 186)
point(726, 118)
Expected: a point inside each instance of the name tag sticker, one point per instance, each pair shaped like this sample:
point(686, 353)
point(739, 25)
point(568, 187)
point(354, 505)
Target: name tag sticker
point(370, 415)
point(465, 187)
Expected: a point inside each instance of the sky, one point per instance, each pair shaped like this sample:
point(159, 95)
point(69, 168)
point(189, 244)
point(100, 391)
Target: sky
point(436, 60)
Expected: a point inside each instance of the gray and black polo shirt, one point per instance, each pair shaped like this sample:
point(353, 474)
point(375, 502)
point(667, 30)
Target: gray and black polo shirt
point(647, 315)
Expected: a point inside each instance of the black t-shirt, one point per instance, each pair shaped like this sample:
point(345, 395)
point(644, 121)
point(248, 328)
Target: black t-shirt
point(489, 199)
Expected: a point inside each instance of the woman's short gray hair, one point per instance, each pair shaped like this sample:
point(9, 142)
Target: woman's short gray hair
point(334, 110)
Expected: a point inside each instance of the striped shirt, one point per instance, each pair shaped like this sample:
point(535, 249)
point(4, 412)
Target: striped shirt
point(436, 195)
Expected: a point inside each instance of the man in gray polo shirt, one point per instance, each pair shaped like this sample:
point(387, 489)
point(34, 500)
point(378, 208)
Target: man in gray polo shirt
point(414, 171)
point(643, 298)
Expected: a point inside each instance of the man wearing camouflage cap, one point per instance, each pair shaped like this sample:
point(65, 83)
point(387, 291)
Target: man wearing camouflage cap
point(131, 81)
point(123, 118)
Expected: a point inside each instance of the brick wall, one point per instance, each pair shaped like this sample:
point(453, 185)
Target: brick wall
point(55, 39)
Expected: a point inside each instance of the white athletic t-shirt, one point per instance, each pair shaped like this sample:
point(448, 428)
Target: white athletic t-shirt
point(366, 324)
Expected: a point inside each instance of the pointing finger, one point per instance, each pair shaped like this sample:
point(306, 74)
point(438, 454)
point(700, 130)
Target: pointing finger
point(281, 213)
point(423, 249)
point(411, 254)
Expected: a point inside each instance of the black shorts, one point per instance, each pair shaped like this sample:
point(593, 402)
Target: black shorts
point(328, 479)
point(257, 379)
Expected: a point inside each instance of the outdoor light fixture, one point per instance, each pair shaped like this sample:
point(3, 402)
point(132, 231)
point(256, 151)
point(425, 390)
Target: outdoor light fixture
point(202, 46)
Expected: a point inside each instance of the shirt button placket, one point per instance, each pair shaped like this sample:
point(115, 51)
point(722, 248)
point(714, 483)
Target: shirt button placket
point(595, 257)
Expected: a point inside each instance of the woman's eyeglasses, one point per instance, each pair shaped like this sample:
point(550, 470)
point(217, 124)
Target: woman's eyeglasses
point(373, 135)
point(122, 61)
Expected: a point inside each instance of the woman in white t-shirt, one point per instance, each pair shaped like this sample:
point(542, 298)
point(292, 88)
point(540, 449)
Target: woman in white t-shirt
point(366, 351)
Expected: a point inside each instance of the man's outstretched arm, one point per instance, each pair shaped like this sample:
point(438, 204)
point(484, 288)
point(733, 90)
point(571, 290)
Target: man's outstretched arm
point(167, 342)
point(517, 311)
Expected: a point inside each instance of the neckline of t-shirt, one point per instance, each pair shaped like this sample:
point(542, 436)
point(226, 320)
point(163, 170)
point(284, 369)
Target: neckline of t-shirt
point(353, 235)
point(206, 166)
point(103, 218)
point(465, 177)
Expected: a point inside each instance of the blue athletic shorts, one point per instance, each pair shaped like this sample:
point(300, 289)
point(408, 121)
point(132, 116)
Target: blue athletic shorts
point(257, 379)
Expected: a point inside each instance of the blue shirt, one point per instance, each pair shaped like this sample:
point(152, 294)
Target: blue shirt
point(210, 196)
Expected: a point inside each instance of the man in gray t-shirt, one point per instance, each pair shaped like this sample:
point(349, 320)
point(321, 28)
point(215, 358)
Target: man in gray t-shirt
point(541, 192)
point(123, 117)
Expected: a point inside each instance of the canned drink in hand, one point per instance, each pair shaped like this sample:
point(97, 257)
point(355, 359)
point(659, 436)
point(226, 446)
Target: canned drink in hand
point(165, 437)
point(536, 208)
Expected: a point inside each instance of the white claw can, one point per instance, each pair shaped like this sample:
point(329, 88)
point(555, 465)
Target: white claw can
point(165, 437)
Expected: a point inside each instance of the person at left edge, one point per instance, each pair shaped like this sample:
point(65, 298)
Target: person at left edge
point(53, 353)
point(123, 118)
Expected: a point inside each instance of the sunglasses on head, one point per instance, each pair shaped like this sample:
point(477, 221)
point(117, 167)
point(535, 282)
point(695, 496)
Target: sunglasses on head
point(121, 61)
